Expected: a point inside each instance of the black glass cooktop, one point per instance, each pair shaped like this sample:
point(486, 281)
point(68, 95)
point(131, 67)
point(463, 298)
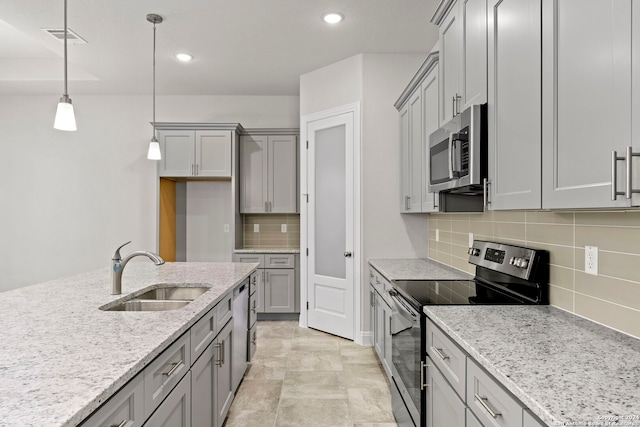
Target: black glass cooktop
point(453, 292)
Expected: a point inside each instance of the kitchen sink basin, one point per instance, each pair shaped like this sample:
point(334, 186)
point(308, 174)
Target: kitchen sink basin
point(173, 293)
point(147, 305)
point(160, 298)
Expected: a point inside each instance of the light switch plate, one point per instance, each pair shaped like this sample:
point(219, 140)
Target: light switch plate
point(591, 260)
point(470, 239)
point(437, 234)
point(283, 228)
point(256, 228)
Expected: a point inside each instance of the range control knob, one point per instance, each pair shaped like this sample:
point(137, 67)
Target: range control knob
point(519, 262)
point(474, 251)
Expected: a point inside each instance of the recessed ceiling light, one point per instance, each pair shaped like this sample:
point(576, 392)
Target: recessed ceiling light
point(184, 57)
point(332, 17)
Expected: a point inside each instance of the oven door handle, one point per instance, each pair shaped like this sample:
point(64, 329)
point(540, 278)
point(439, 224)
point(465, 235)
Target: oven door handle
point(402, 307)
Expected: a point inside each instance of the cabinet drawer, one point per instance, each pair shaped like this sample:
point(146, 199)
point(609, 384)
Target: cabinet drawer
point(224, 311)
point(253, 309)
point(376, 280)
point(203, 333)
point(165, 372)
point(254, 279)
point(472, 421)
point(489, 401)
point(279, 261)
point(253, 341)
point(447, 357)
point(259, 258)
point(126, 406)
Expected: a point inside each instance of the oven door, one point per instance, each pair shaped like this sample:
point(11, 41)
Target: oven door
point(405, 361)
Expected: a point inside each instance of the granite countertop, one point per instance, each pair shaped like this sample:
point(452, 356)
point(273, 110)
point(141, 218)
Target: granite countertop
point(62, 357)
point(268, 251)
point(416, 269)
point(564, 368)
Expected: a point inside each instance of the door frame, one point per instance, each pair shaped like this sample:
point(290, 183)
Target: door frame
point(353, 108)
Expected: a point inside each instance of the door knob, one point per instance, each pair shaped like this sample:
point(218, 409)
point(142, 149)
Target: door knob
point(347, 254)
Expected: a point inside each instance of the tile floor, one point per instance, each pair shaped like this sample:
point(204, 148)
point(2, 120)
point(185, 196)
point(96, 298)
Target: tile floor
point(303, 377)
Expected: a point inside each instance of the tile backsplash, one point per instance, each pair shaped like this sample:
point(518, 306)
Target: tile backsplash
point(270, 234)
point(611, 298)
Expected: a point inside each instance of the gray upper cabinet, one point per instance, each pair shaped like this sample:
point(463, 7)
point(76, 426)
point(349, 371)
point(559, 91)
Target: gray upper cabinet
point(268, 174)
point(195, 153)
point(418, 113)
point(463, 55)
point(588, 96)
point(514, 108)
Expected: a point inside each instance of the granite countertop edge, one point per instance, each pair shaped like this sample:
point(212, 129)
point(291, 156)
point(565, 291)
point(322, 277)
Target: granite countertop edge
point(267, 251)
point(416, 269)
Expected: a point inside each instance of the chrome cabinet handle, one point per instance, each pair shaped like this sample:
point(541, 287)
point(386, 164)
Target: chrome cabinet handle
point(254, 339)
point(423, 367)
point(218, 361)
point(222, 354)
point(270, 206)
point(458, 98)
point(629, 160)
point(347, 254)
point(122, 424)
point(453, 106)
point(485, 404)
point(440, 353)
point(435, 203)
point(486, 186)
point(174, 369)
point(266, 206)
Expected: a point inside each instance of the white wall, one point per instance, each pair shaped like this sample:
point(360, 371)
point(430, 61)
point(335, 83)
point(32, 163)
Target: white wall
point(69, 198)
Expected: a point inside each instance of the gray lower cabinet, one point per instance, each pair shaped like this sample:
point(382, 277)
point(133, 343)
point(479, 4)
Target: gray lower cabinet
point(461, 393)
point(444, 407)
point(188, 384)
point(381, 320)
point(175, 410)
point(278, 282)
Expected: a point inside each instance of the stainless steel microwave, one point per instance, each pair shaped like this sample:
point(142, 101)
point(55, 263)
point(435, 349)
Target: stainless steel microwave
point(458, 153)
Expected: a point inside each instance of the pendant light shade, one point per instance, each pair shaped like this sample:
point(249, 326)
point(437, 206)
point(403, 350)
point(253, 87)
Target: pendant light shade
point(154, 148)
point(65, 117)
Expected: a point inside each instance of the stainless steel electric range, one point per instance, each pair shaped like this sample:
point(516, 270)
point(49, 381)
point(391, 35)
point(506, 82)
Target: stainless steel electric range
point(505, 274)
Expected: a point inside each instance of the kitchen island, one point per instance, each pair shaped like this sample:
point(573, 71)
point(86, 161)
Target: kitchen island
point(62, 357)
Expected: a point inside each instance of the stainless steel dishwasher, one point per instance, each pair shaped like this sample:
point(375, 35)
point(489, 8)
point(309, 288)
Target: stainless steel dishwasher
point(240, 332)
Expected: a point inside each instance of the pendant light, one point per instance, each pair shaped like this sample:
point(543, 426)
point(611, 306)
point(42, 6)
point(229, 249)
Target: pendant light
point(154, 147)
point(65, 118)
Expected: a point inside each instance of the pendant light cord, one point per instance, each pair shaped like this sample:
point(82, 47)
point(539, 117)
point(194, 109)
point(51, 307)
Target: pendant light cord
point(154, 80)
point(66, 94)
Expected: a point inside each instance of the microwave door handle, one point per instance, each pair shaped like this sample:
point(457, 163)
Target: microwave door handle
point(450, 157)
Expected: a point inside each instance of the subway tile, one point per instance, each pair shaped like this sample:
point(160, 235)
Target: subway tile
point(615, 316)
point(444, 224)
point(433, 222)
point(483, 228)
point(561, 277)
point(509, 216)
point(620, 266)
point(630, 219)
point(445, 236)
point(460, 226)
point(444, 247)
point(460, 217)
point(550, 233)
point(558, 255)
point(618, 239)
point(613, 290)
point(511, 231)
point(460, 263)
point(543, 217)
point(460, 239)
point(561, 298)
point(433, 254)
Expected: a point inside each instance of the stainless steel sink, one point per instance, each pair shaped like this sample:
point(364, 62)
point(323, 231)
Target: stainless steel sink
point(159, 298)
point(147, 305)
point(173, 293)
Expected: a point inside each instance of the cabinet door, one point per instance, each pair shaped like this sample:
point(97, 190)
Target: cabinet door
point(449, 63)
point(378, 337)
point(514, 108)
point(279, 290)
point(386, 346)
point(126, 406)
point(282, 174)
point(529, 421)
point(473, 37)
point(405, 159)
point(223, 374)
point(253, 172)
point(175, 411)
point(260, 299)
point(587, 100)
point(213, 153)
point(203, 404)
point(178, 155)
point(444, 407)
point(430, 122)
point(415, 151)
point(472, 421)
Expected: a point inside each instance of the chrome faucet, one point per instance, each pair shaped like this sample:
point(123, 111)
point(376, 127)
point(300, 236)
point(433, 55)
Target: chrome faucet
point(117, 266)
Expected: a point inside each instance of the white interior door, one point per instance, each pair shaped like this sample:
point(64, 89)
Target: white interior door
point(330, 225)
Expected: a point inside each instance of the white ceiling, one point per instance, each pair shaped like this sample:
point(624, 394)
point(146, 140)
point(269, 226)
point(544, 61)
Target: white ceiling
point(240, 47)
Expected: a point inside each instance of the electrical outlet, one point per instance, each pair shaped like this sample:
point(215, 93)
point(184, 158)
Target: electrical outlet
point(256, 228)
point(437, 234)
point(470, 239)
point(226, 228)
point(591, 260)
point(283, 228)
